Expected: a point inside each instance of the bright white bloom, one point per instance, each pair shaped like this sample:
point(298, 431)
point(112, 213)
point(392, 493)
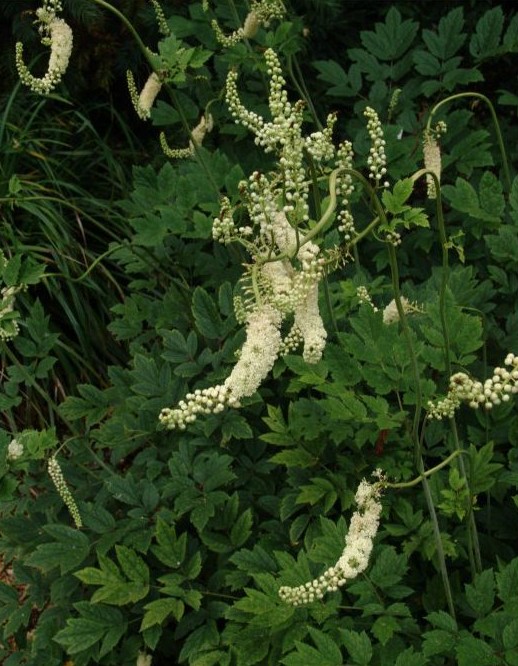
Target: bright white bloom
point(492, 392)
point(309, 324)
point(58, 35)
point(14, 450)
point(148, 95)
point(280, 284)
point(358, 547)
point(261, 348)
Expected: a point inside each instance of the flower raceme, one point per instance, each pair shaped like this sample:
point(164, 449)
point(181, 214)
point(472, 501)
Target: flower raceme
point(492, 392)
point(280, 285)
point(256, 360)
point(57, 34)
point(358, 547)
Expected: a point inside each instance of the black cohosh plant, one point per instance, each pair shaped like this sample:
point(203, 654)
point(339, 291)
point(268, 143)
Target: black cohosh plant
point(182, 525)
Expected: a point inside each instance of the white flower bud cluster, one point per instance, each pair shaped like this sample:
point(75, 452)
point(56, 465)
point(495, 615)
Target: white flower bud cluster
point(393, 237)
point(240, 310)
point(344, 189)
point(58, 35)
point(291, 342)
point(258, 354)
point(14, 450)
point(355, 557)
point(320, 144)
point(492, 392)
point(377, 160)
point(58, 480)
point(223, 227)
point(211, 400)
point(364, 297)
point(283, 135)
point(260, 14)
point(432, 157)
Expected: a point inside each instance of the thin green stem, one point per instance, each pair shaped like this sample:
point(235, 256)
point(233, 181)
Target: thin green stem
point(438, 544)
point(472, 533)
point(428, 473)
point(90, 268)
point(301, 88)
point(501, 145)
point(413, 360)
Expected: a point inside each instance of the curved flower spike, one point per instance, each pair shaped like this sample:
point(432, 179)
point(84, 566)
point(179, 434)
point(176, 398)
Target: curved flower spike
point(58, 35)
point(259, 352)
point(358, 546)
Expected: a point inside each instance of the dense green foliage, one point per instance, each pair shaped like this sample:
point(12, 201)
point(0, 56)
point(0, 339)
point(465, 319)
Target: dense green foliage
point(124, 303)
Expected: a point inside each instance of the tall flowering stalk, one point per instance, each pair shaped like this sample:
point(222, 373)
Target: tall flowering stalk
point(280, 285)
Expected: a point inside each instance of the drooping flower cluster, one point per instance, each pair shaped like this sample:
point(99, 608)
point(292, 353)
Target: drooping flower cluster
point(56, 34)
point(261, 13)
point(463, 388)
point(358, 547)
point(280, 285)
point(58, 480)
point(263, 340)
